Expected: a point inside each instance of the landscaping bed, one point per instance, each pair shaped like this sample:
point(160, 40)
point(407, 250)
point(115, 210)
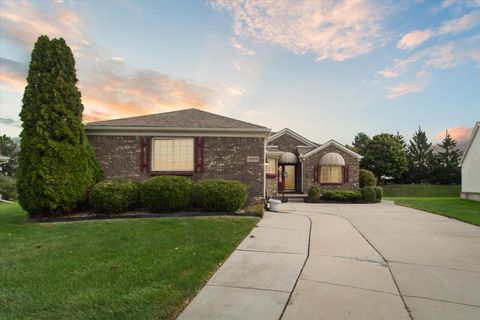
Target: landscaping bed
point(110, 269)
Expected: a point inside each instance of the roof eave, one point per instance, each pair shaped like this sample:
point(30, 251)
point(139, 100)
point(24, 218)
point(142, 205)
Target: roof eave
point(469, 143)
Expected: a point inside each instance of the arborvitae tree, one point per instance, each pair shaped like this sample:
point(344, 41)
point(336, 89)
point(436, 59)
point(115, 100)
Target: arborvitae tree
point(420, 157)
point(447, 159)
point(384, 156)
point(56, 163)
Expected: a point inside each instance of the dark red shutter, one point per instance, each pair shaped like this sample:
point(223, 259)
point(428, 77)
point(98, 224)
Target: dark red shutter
point(315, 173)
point(198, 154)
point(148, 152)
point(143, 153)
point(345, 174)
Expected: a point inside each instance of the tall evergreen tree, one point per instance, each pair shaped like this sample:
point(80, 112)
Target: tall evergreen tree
point(420, 157)
point(448, 158)
point(56, 162)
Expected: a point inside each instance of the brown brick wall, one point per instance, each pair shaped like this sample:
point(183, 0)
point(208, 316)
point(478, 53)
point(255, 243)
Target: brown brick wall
point(287, 143)
point(224, 158)
point(119, 156)
point(350, 161)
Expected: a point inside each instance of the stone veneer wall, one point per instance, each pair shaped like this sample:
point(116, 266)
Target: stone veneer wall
point(350, 161)
point(224, 158)
point(272, 186)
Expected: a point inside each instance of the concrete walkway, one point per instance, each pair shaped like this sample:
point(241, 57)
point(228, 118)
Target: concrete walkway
point(257, 279)
point(348, 261)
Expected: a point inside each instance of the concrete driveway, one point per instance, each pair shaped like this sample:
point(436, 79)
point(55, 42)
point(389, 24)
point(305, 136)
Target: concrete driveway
point(384, 261)
point(348, 261)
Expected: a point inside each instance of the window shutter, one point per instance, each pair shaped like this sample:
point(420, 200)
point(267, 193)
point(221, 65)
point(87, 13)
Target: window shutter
point(345, 174)
point(198, 154)
point(148, 154)
point(316, 170)
point(143, 153)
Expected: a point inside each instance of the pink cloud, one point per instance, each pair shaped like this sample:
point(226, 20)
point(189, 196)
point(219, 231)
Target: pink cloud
point(457, 133)
point(338, 30)
point(414, 38)
point(110, 88)
point(403, 88)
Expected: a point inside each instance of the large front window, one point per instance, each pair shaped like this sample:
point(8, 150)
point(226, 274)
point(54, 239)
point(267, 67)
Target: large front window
point(172, 154)
point(331, 174)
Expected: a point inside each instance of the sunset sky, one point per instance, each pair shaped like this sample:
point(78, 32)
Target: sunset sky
point(326, 70)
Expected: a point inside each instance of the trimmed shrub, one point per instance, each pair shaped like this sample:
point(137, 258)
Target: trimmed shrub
point(166, 194)
point(8, 188)
point(220, 195)
point(367, 178)
point(379, 193)
point(314, 193)
point(369, 194)
point(114, 196)
point(341, 195)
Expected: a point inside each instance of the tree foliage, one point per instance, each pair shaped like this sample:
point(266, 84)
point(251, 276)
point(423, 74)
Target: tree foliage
point(420, 157)
point(447, 159)
point(10, 149)
point(56, 163)
point(384, 156)
point(388, 155)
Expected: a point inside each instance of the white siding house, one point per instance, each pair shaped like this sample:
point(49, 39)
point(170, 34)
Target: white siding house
point(470, 164)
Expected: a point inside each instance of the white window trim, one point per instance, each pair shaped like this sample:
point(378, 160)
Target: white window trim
point(152, 155)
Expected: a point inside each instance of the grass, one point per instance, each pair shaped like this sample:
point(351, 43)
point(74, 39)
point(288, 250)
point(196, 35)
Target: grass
point(453, 207)
point(421, 190)
point(114, 269)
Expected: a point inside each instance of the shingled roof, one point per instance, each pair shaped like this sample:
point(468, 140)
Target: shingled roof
point(187, 118)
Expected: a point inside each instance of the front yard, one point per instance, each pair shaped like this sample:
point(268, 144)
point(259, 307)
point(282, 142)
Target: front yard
point(453, 207)
point(113, 269)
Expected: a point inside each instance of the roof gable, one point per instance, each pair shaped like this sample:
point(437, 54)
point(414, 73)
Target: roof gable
point(475, 130)
point(334, 143)
point(293, 134)
point(187, 118)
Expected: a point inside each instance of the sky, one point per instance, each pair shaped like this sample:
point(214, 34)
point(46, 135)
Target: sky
point(325, 69)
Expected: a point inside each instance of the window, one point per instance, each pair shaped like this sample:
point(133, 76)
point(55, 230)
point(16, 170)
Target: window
point(172, 155)
point(331, 174)
point(272, 166)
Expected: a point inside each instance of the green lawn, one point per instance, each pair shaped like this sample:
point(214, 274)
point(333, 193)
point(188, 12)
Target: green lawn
point(421, 190)
point(453, 207)
point(109, 269)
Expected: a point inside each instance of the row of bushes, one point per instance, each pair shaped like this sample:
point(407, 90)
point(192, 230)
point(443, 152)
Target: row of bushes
point(167, 194)
point(366, 194)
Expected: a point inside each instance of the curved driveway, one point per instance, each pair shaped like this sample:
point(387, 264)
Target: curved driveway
point(384, 261)
point(348, 261)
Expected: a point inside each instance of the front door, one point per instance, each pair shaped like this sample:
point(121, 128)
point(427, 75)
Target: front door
point(289, 179)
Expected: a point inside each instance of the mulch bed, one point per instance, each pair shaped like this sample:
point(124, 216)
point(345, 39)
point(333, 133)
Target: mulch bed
point(84, 216)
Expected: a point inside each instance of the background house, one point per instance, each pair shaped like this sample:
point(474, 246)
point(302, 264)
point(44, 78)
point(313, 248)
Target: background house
point(470, 164)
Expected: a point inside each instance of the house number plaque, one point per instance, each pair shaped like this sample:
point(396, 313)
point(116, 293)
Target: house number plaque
point(253, 159)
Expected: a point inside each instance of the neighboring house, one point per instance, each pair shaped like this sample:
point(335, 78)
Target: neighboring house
point(203, 145)
point(296, 163)
point(470, 164)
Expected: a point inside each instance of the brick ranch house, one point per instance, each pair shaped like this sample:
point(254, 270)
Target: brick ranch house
point(203, 145)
